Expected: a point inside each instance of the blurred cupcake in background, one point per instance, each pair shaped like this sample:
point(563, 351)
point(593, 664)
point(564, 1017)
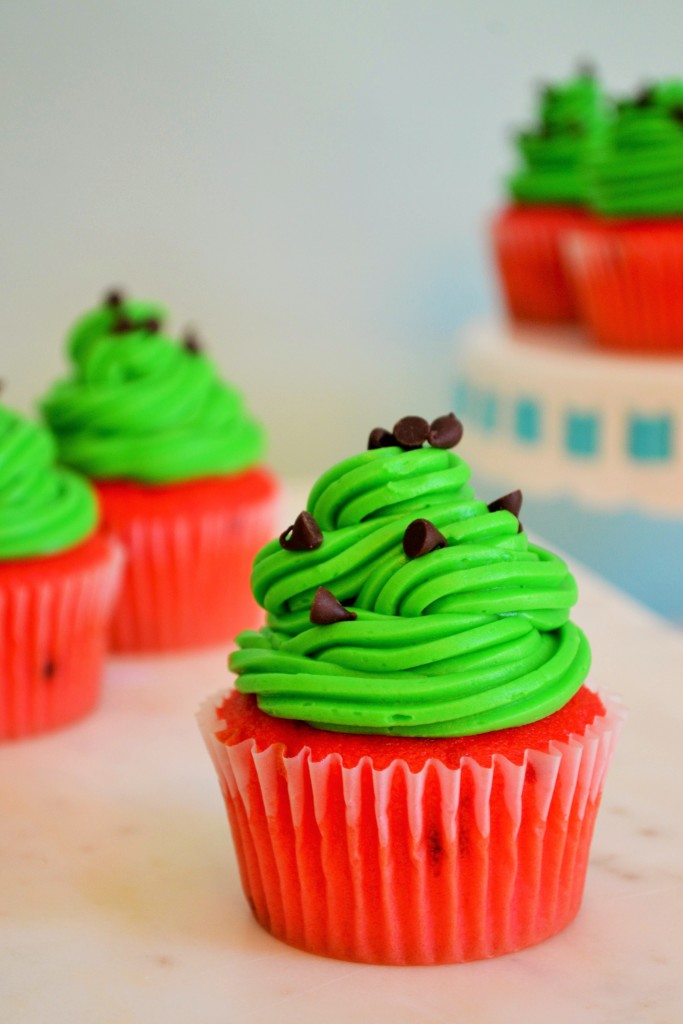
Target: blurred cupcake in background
point(58, 577)
point(549, 195)
point(176, 459)
point(627, 261)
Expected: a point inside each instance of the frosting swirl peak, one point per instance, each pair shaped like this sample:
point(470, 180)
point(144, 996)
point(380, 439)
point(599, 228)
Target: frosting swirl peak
point(464, 628)
point(144, 407)
point(639, 171)
point(43, 508)
point(572, 121)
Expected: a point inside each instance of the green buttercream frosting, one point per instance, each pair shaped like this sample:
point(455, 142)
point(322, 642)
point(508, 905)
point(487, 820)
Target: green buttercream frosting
point(639, 172)
point(44, 509)
point(472, 637)
point(572, 124)
point(143, 406)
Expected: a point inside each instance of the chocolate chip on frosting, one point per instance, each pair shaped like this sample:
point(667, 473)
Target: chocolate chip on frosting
point(445, 431)
point(381, 438)
point(152, 325)
point(303, 535)
point(644, 97)
point(411, 432)
point(113, 299)
point(422, 537)
point(511, 502)
point(326, 609)
point(122, 325)
point(191, 343)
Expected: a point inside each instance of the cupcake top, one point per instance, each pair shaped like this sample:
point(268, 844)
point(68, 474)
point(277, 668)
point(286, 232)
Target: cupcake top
point(399, 603)
point(44, 509)
point(571, 125)
point(639, 171)
point(142, 406)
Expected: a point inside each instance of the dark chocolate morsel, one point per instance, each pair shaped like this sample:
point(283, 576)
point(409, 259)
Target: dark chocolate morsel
point(520, 528)
point(113, 299)
point(191, 343)
point(445, 431)
point(411, 432)
point(381, 438)
point(152, 325)
point(326, 609)
point(304, 535)
point(511, 502)
point(122, 325)
point(644, 97)
point(676, 113)
point(421, 537)
point(49, 669)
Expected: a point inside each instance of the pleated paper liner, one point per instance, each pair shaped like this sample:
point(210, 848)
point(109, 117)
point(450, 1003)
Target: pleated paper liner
point(397, 866)
point(190, 548)
point(54, 614)
point(628, 279)
point(527, 244)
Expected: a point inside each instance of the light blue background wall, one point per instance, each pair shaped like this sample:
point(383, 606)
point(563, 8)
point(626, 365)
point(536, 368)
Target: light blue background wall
point(305, 181)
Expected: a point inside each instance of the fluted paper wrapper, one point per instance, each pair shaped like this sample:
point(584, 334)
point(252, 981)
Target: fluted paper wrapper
point(53, 632)
point(528, 248)
point(627, 282)
point(187, 577)
point(392, 866)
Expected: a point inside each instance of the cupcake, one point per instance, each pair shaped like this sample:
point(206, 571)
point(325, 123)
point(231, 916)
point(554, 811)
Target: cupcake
point(175, 458)
point(411, 761)
point(58, 574)
point(627, 262)
point(548, 196)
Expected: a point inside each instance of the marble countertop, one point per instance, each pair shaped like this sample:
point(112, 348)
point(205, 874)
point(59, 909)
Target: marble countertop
point(120, 900)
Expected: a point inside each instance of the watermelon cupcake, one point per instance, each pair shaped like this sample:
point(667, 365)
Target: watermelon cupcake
point(548, 195)
point(627, 261)
point(411, 761)
point(176, 460)
point(58, 577)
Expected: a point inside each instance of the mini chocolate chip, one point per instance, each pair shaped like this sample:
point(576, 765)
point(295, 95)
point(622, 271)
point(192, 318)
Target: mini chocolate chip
point(326, 609)
point(676, 113)
point(511, 502)
point(191, 343)
point(113, 299)
point(381, 438)
point(122, 325)
point(153, 325)
point(445, 431)
point(411, 432)
point(644, 97)
point(421, 537)
point(304, 535)
point(49, 669)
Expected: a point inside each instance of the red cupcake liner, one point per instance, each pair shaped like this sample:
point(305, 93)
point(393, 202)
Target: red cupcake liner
point(527, 243)
point(628, 279)
point(54, 614)
point(189, 553)
point(394, 866)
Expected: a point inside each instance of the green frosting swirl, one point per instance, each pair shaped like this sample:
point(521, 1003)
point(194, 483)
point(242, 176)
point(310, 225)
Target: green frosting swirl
point(472, 637)
point(572, 123)
point(639, 171)
point(141, 406)
point(43, 508)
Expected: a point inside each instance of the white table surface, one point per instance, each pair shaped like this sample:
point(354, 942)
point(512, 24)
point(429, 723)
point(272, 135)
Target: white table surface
point(120, 899)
